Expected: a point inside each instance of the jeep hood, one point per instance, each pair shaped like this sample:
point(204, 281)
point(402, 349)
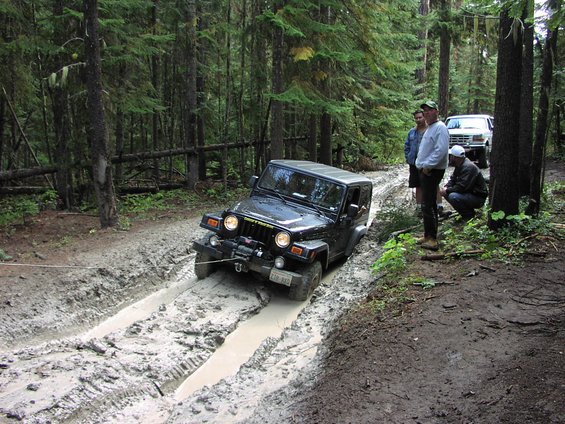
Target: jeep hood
point(286, 214)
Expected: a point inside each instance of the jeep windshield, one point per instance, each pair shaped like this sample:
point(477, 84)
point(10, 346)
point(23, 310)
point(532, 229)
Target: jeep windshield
point(309, 190)
point(467, 123)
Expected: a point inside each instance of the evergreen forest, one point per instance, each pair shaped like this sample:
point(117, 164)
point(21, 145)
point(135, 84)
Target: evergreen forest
point(103, 97)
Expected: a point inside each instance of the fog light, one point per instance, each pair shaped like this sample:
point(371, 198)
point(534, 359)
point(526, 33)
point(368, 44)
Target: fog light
point(279, 262)
point(214, 241)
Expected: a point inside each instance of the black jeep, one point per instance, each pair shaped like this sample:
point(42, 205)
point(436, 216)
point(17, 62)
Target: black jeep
point(299, 217)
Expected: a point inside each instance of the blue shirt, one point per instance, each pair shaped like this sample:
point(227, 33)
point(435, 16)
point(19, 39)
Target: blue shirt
point(434, 147)
point(411, 145)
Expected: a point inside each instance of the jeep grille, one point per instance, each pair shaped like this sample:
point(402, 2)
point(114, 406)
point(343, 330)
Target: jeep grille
point(257, 232)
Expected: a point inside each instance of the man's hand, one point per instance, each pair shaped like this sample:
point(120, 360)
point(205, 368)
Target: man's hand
point(443, 191)
point(427, 171)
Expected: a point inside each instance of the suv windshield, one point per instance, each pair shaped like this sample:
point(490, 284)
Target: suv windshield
point(291, 183)
point(467, 123)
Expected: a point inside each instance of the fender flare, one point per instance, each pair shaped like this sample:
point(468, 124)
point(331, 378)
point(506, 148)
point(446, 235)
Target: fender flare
point(356, 235)
point(320, 247)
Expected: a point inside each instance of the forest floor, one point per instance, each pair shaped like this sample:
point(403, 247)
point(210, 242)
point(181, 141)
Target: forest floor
point(485, 344)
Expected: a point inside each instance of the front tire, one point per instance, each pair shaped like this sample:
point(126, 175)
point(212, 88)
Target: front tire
point(484, 157)
point(203, 266)
point(311, 277)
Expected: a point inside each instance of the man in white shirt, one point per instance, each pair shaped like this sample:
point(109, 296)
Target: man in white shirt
point(431, 162)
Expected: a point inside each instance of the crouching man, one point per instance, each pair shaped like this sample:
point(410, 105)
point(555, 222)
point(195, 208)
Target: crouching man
point(466, 189)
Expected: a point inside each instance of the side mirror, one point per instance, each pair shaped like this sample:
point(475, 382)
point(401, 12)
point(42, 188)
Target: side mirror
point(252, 181)
point(352, 211)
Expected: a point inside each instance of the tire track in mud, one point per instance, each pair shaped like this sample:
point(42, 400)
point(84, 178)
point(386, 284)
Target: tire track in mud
point(131, 374)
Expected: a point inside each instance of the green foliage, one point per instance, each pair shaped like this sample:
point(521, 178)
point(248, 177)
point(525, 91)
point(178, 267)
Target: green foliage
point(418, 280)
point(124, 223)
point(394, 217)
point(48, 200)
point(16, 209)
point(4, 256)
point(139, 203)
point(393, 261)
point(508, 243)
point(391, 288)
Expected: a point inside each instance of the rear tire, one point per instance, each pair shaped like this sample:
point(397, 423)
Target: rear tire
point(311, 277)
point(202, 266)
point(483, 157)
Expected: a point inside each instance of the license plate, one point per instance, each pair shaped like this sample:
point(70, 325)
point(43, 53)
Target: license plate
point(280, 277)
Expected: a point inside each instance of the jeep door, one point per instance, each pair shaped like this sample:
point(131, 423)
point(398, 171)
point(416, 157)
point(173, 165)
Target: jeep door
point(345, 224)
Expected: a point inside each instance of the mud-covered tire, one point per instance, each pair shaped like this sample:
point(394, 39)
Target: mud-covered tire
point(202, 266)
point(311, 277)
point(483, 157)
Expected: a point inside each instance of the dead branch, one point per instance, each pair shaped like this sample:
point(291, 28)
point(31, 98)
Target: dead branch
point(487, 268)
point(403, 231)
point(440, 256)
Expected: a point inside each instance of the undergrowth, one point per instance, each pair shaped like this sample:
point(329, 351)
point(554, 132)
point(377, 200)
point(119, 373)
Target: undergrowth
point(394, 273)
point(16, 209)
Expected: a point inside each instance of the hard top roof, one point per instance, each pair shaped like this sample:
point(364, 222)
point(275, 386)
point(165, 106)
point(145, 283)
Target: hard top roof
point(329, 172)
point(471, 116)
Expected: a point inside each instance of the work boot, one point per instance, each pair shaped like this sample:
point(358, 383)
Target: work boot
point(445, 214)
point(430, 244)
point(422, 240)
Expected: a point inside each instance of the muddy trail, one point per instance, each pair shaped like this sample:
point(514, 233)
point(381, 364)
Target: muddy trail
point(118, 329)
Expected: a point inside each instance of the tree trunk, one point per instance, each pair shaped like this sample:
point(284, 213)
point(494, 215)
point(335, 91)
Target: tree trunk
point(155, 80)
point(258, 81)
point(200, 99)
point(277, 118)
point(61, 124)
point(98, 135)
point(504, 170)
point(559, 136)
point(325, 119)
point(313, 138)
point(527, 108)
point(229, 99)
point(423, 37)
point(542, 122)
point(191, 94)
point(444, 53)
point(2, 120)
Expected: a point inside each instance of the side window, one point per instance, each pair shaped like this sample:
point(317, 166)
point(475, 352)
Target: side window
point(365, 199)
point(353, 197)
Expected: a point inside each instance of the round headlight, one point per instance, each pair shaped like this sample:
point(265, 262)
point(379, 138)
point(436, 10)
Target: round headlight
point(282, 239)
point(231, 222)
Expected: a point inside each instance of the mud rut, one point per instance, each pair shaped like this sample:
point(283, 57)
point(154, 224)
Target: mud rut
point(64, 367)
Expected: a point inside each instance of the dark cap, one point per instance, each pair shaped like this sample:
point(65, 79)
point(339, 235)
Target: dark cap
point(430, 103)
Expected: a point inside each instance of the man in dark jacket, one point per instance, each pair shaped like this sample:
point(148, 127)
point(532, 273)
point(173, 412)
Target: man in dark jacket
point(466, 189)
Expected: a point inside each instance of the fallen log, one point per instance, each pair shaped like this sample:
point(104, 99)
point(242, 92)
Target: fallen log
point(23, 190)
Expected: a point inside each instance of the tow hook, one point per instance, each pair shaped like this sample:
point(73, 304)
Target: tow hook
point(238, 267)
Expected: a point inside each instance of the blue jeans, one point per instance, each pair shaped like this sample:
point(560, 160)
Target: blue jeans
point(428, 185)
point(465, 203)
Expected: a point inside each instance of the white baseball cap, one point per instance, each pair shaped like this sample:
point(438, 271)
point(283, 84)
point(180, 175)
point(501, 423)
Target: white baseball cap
point(457, 151)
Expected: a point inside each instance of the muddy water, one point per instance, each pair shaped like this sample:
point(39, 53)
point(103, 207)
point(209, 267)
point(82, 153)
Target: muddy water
point(145, 307)
point(240, 345)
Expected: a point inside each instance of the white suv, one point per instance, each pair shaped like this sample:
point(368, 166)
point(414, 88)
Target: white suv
point(474, 133)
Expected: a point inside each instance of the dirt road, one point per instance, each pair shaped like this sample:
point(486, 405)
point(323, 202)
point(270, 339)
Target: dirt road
point(131, 336)
point(114, 337)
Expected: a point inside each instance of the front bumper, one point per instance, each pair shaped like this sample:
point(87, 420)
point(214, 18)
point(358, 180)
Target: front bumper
point(245, 259)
